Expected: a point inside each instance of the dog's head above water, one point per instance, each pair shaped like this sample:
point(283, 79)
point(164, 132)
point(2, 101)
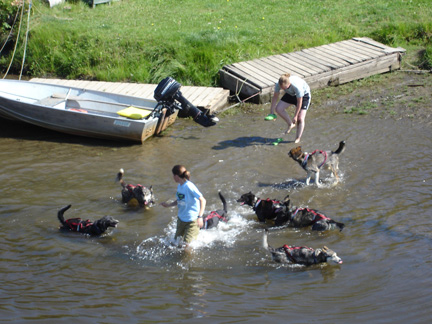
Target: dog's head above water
point(144, 196)
point(107, 221)
point(247, 199)
point(330, 255)
point(295, 153)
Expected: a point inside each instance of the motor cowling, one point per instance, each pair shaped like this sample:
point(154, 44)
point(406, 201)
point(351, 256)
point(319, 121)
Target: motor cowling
point(168, 93)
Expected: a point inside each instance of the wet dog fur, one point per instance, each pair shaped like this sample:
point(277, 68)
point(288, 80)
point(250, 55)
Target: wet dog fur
point(304, 217)
point(313, 163)
point(300, 254)
point(265, 209)
point(95, 228)
point(220, 215)
point(134, 195)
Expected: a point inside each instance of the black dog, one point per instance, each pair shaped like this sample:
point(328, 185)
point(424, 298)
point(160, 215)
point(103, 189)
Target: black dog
point(303, 217)
point(85, 226)
point(135, 195)
point(265, 209)
point(220, 215)
point(300, 254)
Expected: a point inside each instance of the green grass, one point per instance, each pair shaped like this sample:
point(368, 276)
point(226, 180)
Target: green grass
point(190, 40)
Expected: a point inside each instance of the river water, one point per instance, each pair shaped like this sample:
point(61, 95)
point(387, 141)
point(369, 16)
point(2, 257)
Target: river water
point(133, 275)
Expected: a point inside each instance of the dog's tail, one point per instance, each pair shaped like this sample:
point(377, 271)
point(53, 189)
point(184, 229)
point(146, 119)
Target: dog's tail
point(119, 177)
point(340, 148)
point(222, 198)
point(61, 212)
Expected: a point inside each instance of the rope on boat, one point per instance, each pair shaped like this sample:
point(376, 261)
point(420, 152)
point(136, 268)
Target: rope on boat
point(16, 43)
point(26, 38)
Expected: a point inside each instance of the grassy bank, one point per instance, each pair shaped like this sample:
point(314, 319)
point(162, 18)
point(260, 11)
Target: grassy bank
point(146, 40)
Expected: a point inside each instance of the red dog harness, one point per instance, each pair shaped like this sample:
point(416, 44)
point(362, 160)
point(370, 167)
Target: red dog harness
point(212, 215)
point(317, 216)
point(309, 154)
point(275, 203)
point(77, 224)
point(131, 187)
point(288, 251)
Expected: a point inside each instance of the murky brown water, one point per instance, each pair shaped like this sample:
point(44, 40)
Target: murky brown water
point(133, 276)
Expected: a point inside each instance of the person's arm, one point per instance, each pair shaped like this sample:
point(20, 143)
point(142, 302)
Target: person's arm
point(201, 211)
point(297, 111)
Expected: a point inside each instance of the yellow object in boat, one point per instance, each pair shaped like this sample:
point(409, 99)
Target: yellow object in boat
point(134, 113)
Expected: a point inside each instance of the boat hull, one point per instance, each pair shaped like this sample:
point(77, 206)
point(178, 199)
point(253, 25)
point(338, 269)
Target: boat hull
point(78, 111)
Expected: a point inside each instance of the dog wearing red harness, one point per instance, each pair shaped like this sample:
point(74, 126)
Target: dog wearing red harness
point(300, 254)
point(213, 218)
point(135, 195)
point(304, 217)
point(313, 162)
point(95, 228)
point(265, 209)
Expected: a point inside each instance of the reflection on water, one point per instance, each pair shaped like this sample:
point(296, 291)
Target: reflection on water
point(133, 273)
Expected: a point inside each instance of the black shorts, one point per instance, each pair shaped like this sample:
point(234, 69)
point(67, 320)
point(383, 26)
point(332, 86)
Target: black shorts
point(293, 100)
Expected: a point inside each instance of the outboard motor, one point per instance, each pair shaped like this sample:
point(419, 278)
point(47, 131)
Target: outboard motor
point(167, 94)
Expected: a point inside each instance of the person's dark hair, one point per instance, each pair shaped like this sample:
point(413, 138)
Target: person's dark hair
point(180, 170)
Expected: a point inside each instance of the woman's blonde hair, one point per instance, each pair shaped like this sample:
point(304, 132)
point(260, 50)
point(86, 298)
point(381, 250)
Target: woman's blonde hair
point(180, 170)
point(284, 79)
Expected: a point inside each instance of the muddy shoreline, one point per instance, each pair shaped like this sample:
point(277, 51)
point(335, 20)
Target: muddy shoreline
point(396, 95)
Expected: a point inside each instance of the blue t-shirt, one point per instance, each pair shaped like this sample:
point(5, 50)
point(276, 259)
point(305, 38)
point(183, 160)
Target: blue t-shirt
point(298, 88)
point(188, 201)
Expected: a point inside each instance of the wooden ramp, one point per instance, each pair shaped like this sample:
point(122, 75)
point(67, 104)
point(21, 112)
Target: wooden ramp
point(321, 66)
point(208, 98)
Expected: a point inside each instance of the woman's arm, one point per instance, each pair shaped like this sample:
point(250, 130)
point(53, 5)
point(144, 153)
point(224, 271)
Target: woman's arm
point(201, 211)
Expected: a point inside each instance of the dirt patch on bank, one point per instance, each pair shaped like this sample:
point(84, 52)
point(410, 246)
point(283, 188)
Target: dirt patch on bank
point(394, 95)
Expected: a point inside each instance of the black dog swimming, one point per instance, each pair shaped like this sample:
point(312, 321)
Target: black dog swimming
point(282, 214)
point(221, 215)
point(300, 254)
point(85, 226)
point(265, 209)
point(135, 195)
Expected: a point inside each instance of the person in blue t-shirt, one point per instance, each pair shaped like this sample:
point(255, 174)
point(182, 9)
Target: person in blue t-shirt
point(297, 92)
point(191, 205)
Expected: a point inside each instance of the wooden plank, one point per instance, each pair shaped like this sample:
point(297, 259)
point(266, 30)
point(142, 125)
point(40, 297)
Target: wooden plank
point(218, 102)
point(193, 93)
point(245, 76)
point(299, 65)
point(349, 52)
point(253, 70)
point(237, 84)
point(326, 59)
point(387, 49)
point(295, 57)
point(277, 65)
point(286, 67)
point(329, 58)
point(342, 53)
point(314, 61)
point(354, 72)
point(332, 52)
point(363, 47)
point(205, 99)
point(269, 68)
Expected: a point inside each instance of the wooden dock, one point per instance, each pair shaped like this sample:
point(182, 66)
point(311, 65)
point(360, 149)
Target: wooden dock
point(322, 66)
point(207, 98)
